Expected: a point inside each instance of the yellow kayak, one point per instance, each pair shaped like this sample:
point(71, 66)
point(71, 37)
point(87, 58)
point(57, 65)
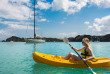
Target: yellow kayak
point(59, 62)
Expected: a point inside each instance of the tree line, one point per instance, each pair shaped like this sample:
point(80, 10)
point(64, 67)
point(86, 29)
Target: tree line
point(78, 38)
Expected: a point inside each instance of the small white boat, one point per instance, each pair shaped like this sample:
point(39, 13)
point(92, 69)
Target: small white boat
point(34, 40)
point(11, 41)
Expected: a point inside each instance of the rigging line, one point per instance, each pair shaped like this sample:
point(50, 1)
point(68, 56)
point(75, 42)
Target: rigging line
point(28, 23)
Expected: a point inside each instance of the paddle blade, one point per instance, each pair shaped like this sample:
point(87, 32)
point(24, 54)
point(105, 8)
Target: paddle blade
point(92, 70)
point(66, 40)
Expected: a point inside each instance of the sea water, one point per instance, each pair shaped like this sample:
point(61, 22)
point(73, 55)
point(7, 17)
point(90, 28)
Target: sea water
point(16, 57)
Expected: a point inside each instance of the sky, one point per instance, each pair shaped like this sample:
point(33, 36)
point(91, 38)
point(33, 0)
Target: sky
point(54, 18)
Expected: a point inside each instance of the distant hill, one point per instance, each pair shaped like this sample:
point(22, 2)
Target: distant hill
point(103, 38)
point(18, 39)
point(14, 39)
point(78, 38)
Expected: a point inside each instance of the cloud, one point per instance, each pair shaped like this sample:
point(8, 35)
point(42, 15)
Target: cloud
point(19, 1)
point(63, 34)
point(14, 22)
point(69, 6)
point(18, 25)
point(41, 0)
point(62, 22)
point(101, 25)
point(100, 3)
point(4, 33)
point(87, 22)
point(43, 5)
point(15, 28)
point(72, 7)
point(96, 27)
point(42, 20)
point(21, 9)
point(72, 34)
point(15, 9)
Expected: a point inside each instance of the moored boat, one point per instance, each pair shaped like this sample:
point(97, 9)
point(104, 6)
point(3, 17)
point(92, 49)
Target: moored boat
point(34, 40)
point(37, 38)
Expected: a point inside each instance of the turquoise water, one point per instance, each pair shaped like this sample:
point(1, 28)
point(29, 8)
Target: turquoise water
point(16, 57)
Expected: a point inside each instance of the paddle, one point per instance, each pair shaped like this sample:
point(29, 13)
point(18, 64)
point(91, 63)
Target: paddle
point(67, 42)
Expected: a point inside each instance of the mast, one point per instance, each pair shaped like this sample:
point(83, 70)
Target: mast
point(34, 19)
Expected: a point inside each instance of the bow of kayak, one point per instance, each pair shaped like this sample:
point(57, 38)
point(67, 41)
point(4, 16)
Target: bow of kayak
point(57, 61)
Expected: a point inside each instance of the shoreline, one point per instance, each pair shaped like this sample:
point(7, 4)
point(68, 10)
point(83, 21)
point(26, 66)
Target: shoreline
point(78, 38)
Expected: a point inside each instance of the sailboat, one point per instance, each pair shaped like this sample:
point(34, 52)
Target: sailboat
point(36, 39)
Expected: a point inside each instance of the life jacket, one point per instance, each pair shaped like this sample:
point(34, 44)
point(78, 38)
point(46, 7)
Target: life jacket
point(84, 53)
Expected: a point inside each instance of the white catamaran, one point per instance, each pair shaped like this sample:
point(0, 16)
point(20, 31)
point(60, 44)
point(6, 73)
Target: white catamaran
point(36, 39)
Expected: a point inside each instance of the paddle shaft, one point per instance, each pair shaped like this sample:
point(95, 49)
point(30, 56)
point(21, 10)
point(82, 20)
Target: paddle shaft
point(81, 58)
